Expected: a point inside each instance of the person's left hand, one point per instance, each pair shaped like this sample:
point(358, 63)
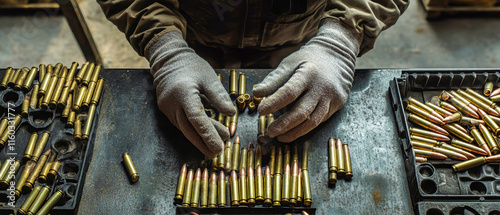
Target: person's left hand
point(319, 76)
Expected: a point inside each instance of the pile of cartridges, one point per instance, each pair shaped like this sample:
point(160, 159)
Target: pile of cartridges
point(339, 160)
point(237, 177)
point(461, 125)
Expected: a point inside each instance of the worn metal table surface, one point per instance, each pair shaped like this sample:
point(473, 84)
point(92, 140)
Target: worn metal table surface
point(131, 122)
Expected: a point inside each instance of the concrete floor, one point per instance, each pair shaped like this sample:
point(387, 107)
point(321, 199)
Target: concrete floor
point(412, 42)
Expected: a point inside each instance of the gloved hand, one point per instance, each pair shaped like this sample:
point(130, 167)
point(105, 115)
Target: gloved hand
point(319, 76)
point(181, 77)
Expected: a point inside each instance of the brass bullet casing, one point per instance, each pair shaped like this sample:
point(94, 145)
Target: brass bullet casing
point(78, 99)
point(243, 160)
point(5, 80)
point(222, 190)
point(42, 177)
point(299, 188)
point(5, 136)
point(307, 188)
point(449, 153)
point(420, 105)
point(294, 185)
point(496, 98)
point(88, 96)
point(221, 118)
point(272, 158)
point(495, 158)
point(447, 106)
point(195, 195)
point(340, 157)
point(277, 190)
point(262, 130)
point(220, 77)
point(30, 181)
point(29, 201)
point(240, 102)
point(332, 159)
point(467, 121)
point(14, 77)
point(228, 154)
point(96, 73)
point(25, 108)
point(34, 96)
point(460, 151)
point(243, 187)
point(221, 161)
point(40, 198)
point(480, 104)
point(77, 135)
point(70, 122)
point(233, 123)
point(188, 190)
point(428, 134)
point(422, 113)
point(480, 140)
point(6, 172)
point(88, 122)
point(278, 165)
point(251, 107)
point(40, 146)
point(488, 88)
point(268, 187)
point(88, 74)
point(348, 164)
point(429, 154)
point(460, 134)
point(58, 88)
point(42, 70)
point(251, 156)
point(212, 191)
point(235, 195)
point(236, 154)
point(305, 154)
point(247, 97)
point(28, 168)
point(443, 112)
point(67, 108)
point(420, 159)
point(30, 148)
point(285, 190)
point(54, 168)
point(57, 69)
point(455, 117)
point(44, 84)
point(213, 163)
point(269, 120)
point(456, 96)
point(259, 185)
point(28, 81)
point(287, 155)
point(496, 119)
point(98, 91)
point(233, 83)
point(490, 140)
point(71, 74)
point(242, 84)
point(469, 164)
point(480, 97)
point(50, 91)
point(81, 72)
point(426, 124)
point(258, 155)
point(227, 121)
point(468, 147)
point(490, 122)
point(132, 171)
point(3, 124)
point(251, 187)
point(181, 182)
point(50, 203)
point(20, 79)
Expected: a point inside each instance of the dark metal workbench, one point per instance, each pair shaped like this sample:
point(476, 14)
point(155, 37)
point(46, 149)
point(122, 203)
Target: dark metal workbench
point(131, 122)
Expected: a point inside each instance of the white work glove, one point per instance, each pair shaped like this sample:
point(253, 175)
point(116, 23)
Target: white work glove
point(181, 77)
point(319, 76)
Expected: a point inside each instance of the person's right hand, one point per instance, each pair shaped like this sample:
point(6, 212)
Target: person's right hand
point(181, 77)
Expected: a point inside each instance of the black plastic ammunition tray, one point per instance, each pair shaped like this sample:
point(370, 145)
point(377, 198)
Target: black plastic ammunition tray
point(435, 188)
point(74, 163)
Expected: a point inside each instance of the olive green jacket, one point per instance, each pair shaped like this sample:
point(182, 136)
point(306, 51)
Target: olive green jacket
point(246, 24)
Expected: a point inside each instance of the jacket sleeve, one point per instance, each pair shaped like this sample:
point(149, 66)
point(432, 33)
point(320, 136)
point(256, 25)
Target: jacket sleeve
point(143, 21)
point(367, 17)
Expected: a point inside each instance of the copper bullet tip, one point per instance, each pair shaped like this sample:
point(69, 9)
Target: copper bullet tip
point(250, 172)
point(197, 175)
point(205, 174)
point(445, 96)
point(250, 146)
point(287, 169)
point(228, 144)
point(492, 111)
point(439, 130)
point(295, 169)
point(237, 139)
point(495, 92)
point(258, 171)
point(481, 113)
point(436, 115)
point(459, 127)
point(242, 172)
point(213, 178)
point(234, 177)
point(494, 158)
point(47, 153)
point(190, 175)
point(279, 151)
point(267, 171)
point(221, 176)
point(232, 128)
point(438, 156)
point(486, 149)
point(184, 169)
point(304, 213)
point(338, 143)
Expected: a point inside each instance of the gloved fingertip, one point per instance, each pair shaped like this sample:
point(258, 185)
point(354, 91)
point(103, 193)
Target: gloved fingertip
point(285, 139)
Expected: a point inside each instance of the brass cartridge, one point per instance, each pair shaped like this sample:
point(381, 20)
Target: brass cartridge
point(490, 140)
point(212, 191)
point(258, 156)
point(268, 187)
point(242, 84)
point(50, 91)
point(243, 187)
point(81, 72)
point(34, 96)
point(58, 88)
point(235, 195)
point(443, 112)
point(332, 158)
point(277, 190)
point(475, 101)
point(29, 201)
point(132, 171)
point(181, 182)
point(293, 185)
point(30, 148)
point(279, 162)
point(272, 158)
point(426, 124)
point(40, 146)
point(243, 160)
point(25, 108)
point(469, 164)
point(78, 99)
point(20, 79)
point(70, 122)
point(88, 74)
point(340, 157)
point(28, 81)
point(6, 77)
point(228, 154)
point(490, 122)
point(42, 177)
point(28, 168)
point(307, 188)
point(6, 173)
point(195, 196)
point(67, 108)
point(98, 91)
point(88, 122)
point(299, 188)
point(262, 130)
point(428, 134)
point(233, 83)
point(222, 190)
point(54, 168)
point(424, 107)
point(285, 190)
point(467, 121)
point(478, 137)
point(221, 161)
point(40, 198)
point(42, 71)
point(251, 187)
point(14, 77)
point(468, 147)
point(347, 159)
point(50, 203)
point(188, 189)
point(429, 154)
point(251, 156)
point(77, 135)
point(305, 154)
point(30, 181)
point(488, 88)
point(236, 154)
point(259, 185)
point(447, 106)
point(426, 115)
point(233, 123)
point(460, 134)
